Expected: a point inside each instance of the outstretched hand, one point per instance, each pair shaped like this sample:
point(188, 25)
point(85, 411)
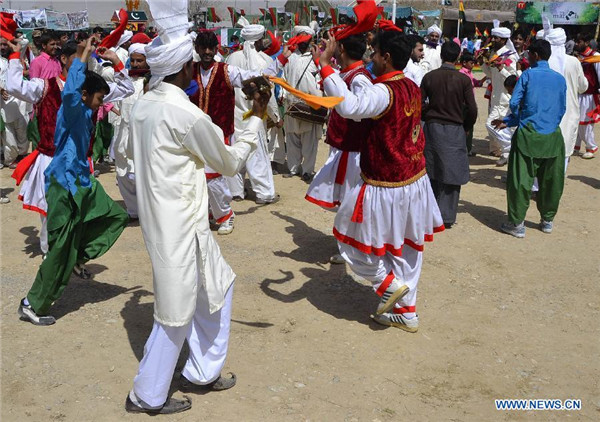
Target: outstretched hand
point(330, 46)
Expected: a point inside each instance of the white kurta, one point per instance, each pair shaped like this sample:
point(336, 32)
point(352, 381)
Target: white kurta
point(500, 97)
point(576, 84)
point(414, 72)
point(173, 140)
point(432, 59)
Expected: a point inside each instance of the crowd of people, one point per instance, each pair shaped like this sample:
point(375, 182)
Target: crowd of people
point(184, 124)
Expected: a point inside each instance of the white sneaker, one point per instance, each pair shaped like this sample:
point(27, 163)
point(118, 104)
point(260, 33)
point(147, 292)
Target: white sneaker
point(226, 226)
point(588, 155)
point(397, 320)
point(393, 294)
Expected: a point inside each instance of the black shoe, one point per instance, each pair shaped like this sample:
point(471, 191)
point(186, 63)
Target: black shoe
point(275, 199)
point(26, 313)
point(237, 198)
point(219, 384)
point(307, 177)
point(171, 406)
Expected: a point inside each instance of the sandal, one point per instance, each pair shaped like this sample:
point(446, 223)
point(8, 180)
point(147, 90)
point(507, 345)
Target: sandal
point(80, 271)
point(171, 406)
point(219, 384)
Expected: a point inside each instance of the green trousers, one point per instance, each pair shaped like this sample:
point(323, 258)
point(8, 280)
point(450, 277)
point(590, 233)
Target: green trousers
point(522, 170)
point(80, 227)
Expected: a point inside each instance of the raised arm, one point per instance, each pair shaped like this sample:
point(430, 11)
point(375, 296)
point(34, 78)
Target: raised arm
point(30, 91)
point(122, 87)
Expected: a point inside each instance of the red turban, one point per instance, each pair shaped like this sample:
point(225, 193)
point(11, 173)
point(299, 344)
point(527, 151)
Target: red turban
point(8, 26)
point(140, 38)
point(366, 14)
point(113, 38)
point(298, 39)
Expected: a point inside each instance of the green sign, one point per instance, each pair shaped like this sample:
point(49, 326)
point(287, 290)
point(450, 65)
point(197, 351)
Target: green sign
point(566, 13)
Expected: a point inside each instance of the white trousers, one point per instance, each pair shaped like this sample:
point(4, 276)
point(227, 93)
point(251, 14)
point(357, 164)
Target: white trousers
point(14, 140)
point(219, 198)
point(44, 234)
point(585, 133)
point(502, 138)
point(302, 150)
point(207, 336)
point(276, 145)
point(377, 269)
point(260, 173)
point(127, 188)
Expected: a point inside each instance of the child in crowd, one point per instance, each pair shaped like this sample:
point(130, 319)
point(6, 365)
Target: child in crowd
point(468, 62)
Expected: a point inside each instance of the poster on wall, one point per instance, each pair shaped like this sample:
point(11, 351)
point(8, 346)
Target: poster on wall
point(565, 13)
point(74, 21)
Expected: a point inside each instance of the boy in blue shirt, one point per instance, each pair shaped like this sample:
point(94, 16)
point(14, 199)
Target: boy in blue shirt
point(83, 222)
point(538, 104)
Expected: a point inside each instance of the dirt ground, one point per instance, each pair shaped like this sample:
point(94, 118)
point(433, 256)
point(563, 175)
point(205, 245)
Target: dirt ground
point(499, 317)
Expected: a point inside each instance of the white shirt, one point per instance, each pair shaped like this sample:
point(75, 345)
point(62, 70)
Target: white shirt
point(576, 84)
point(414, 72)
point(173, 140)
point(500, 97)
point(432, 59)
point(13, 108)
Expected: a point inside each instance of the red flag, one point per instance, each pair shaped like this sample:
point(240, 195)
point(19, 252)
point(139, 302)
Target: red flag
point(334, 19)
point(113, 38)
point(388, 25)
point(366, 14)
point(296, 18)
point(273, 13)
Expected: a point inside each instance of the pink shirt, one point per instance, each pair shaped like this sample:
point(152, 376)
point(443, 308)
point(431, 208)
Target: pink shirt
point(474, 81)
point(44, 67)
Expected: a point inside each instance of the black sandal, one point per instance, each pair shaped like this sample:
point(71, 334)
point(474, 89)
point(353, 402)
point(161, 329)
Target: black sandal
point(80, 271)
point(219, 384)
point(171, 406)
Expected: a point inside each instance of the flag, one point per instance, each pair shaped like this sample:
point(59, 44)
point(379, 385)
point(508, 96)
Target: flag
point(211, 15)
point(234, 14)
point(477, 32)
point(486, 33)
point(532, 33)
point(461, 11)
point(334, 16)
point(307, 11)
point(296, 18)
point(273, 13)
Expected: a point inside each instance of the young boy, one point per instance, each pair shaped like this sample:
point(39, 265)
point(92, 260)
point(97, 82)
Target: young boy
point(468, 62)
point(504, 136)
point(83, 222)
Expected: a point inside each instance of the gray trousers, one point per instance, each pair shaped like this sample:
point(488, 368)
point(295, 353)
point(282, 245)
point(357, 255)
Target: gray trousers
point(447, 199)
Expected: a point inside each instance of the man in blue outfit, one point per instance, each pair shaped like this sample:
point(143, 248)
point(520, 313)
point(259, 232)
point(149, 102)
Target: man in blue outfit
point(538, 104)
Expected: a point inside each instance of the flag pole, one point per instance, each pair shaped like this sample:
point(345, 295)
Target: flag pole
point(458, 29)
point(394, 12)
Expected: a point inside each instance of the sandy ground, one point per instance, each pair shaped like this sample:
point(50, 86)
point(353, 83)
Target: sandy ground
point(499, 317)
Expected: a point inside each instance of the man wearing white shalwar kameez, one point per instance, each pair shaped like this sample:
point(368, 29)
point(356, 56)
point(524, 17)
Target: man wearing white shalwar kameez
point(383, 222)
point(589, 101)
point(173, 141)
point(498, 72)
point(432, 58)
point(258, 166)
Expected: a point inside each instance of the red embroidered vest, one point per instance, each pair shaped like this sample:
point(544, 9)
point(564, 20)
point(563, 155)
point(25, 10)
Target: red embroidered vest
point(393, 153)
point(46, 111)
point(347, 134)
point(589, 72)
point(218, 98)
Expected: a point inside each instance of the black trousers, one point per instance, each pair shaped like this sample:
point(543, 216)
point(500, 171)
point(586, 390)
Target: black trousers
point(447, 200)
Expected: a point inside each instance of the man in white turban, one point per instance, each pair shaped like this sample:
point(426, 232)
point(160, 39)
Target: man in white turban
point(299, 29)
point(173, 140)
point(498, 70)
point(258, 166)
point(589, 101)
point(432, 49)
point(577, 84)
point(122, 46)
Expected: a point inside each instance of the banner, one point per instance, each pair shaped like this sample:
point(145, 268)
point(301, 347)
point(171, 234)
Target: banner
point(566, 13)
point(74, 21)
point(29, 19)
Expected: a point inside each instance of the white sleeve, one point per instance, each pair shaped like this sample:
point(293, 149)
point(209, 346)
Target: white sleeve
point(237, 75)
point(205, 140)
point(359, 83)
point(371, 102)
point(121, 88)
point(28, 91)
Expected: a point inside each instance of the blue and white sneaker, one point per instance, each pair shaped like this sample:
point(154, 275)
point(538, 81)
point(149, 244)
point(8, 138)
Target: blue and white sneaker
point(546, 226)
point(516, 230)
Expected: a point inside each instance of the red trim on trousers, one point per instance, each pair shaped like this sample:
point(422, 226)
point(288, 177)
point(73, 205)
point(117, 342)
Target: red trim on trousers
point(210, 176)
point(405, 310)
point(385, 284)
point(340, 175)
point(32, 208)
point(320, 203)
point(357, 215)
point(225, 217)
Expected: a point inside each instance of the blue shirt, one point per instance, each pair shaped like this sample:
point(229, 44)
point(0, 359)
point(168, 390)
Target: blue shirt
point(539, 99)
point(74, 128)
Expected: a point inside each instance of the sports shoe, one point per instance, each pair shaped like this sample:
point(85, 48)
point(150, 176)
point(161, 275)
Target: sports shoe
point(226, 226)
point(588, 155)
point(392, 295)
point(397, 320)
point(4, 200)
point(546, 226)
point(502, 161)
point(261, 201)
point(26, 313)
point(516, 230)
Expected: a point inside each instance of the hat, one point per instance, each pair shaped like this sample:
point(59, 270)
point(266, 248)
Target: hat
point(434, 28)
point(137, 48)
point(366, 14)
point(275, 45)
point(293, 42)
point(8, 26)
point(499, 31)
point(140, 38)
point(252, 33)
point(299, 29)
point(127, 35)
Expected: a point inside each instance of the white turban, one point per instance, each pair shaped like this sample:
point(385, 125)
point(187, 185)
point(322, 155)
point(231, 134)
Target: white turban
point(303, 30)
point(500, 32)
point(539, 35)
point(127, 35)
point(253, 32)
point(137, 48)
point(434, 28)
point(557, 39)
point(174, 46)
